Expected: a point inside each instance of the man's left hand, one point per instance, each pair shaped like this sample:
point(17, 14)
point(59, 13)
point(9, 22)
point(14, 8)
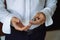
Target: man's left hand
point(39, 18)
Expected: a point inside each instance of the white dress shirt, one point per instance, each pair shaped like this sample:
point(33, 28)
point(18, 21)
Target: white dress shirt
point(25, 10)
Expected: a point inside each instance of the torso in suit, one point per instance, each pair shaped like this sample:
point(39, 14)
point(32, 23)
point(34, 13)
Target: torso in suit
point(25, 11)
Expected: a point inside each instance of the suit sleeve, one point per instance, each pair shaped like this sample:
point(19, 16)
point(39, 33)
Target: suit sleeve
point(49, 9)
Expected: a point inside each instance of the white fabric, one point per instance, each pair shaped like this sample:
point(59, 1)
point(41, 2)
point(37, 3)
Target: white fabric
point(25, 10)
point(2, 37)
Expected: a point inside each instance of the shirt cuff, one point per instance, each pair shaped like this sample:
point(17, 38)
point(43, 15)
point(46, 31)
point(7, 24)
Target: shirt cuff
point(49, 20)
point(6, 24)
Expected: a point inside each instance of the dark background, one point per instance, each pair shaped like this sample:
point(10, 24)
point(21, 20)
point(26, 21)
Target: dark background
point(56, 19)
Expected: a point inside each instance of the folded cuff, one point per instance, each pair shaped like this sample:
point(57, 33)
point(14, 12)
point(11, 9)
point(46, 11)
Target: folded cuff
point(47, 12)
point(6, 24)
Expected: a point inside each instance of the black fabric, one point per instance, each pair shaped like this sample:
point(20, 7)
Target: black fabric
point(36, 34)
point(56, 19)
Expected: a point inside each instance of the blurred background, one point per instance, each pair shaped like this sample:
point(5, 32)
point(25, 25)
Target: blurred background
point(53, 31)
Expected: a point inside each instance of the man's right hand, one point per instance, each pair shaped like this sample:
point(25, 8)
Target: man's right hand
point(16, 23)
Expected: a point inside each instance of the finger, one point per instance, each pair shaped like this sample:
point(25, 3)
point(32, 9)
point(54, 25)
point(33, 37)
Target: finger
point(17, 27)
point(34, 22)
point(20, 25)
point(37, 21)
point(41, 21)
point(27, 27)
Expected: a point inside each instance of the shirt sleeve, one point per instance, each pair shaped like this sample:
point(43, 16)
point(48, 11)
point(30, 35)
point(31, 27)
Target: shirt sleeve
point(5, 18)
point(49, 11)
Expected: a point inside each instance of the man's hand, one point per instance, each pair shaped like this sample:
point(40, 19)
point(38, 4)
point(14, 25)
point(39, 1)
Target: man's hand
point(16, 23)
point(27, 27)
point(39, 18)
